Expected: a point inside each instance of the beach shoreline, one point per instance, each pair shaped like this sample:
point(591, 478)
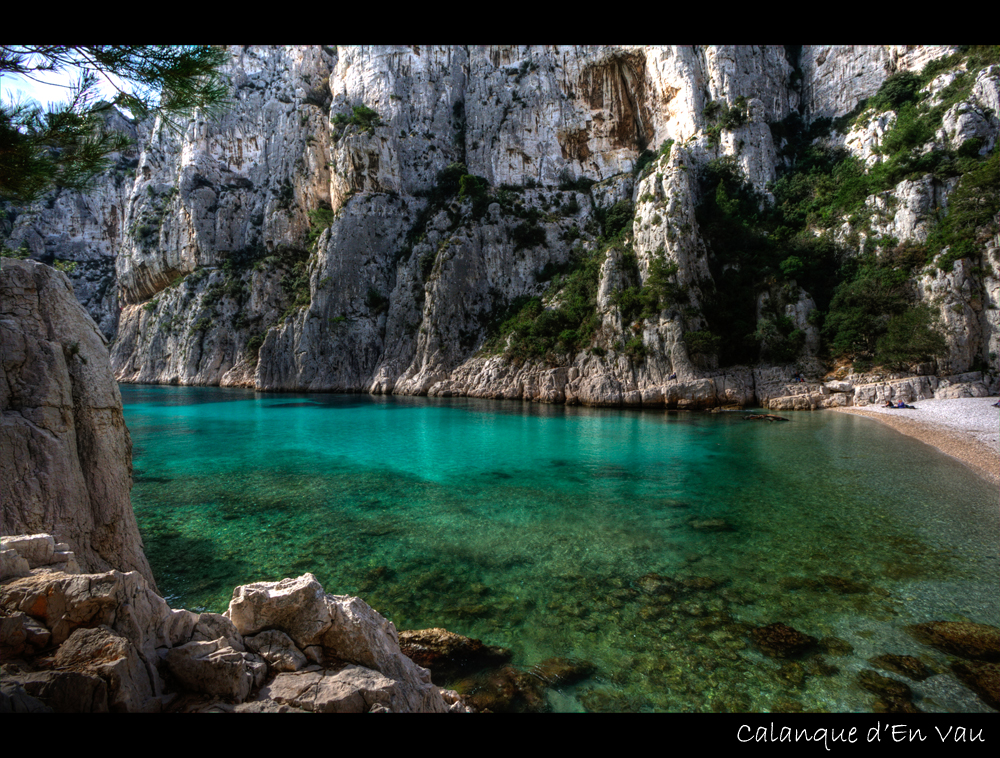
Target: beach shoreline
point(967, 429)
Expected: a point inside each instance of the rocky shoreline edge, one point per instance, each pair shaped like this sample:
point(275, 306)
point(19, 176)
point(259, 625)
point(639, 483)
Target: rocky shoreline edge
point(73, 642)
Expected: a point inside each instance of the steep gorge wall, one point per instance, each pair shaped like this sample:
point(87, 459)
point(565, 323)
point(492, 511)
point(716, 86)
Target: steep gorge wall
point(377, 319)
point(305, 241)
point(81, 232)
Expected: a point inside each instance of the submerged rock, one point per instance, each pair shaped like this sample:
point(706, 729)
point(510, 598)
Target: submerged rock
point(883, 685)
point(779, 640)
point(892, 696)
point(905, 665)
point(711, 525)
point(963, 638)
point(504, 690)
point(842, 586)
point(562, 671)
point(981, 678)
point(835, 646)
point(657, 585)
point(702, 583)
point(449, 655)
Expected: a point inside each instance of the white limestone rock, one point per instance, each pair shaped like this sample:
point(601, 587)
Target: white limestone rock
point(12, 564)
point(124, 602)
point(244, 180)
point(102, 652)
point(214, 626)
point(36, 549)
point(958, 299)
point(110, 634)
point(393, 308)
point(295, 606)
point(351, 689)
point(963, 122)
point(907, 212)
point(277, 648)
point(52, 691)
point(65, 452)
point(907, 389)
point(83, 230)
point(837, 77)
point(215, 668)
point(345, 627)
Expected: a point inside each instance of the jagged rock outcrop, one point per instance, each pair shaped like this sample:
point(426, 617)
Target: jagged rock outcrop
point(22, 553)
point(210, 203)
point(81, 231)
point(314, 239)
point(104, 642)
point(836, 77)
point(65, 452)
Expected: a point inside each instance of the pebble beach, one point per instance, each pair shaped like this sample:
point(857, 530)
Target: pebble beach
point(965, 428)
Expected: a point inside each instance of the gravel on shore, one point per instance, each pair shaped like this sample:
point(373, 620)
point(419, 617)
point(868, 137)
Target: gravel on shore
point(965, 428)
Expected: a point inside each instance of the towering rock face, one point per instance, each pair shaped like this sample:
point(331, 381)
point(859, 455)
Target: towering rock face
point(369, 218)
point(65, 453)
point(230, 193)
point(81, 232)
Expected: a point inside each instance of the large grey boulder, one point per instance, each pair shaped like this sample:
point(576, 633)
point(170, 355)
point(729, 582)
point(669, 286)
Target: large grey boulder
point(277, 649)
point(104, 653)
point(351, 689)
point(215, 668)
point(65, 452)
point(332, 628)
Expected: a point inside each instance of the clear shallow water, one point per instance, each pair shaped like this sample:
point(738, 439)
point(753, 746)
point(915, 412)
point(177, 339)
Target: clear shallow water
point(582, 533)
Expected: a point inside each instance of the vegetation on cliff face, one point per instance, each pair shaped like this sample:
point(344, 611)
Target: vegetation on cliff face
point(69, 144)
point(861, 283)
point(537, 262)
point(529, 330)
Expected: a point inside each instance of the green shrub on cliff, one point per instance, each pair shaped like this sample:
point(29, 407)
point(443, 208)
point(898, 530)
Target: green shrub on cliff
point(912, 336)
point(971, 215)
point(535, 331)
point(704, 343)
point(253, 345)
point(320, 219)
point(362, 116)
point(617, 220)
point(873, 318)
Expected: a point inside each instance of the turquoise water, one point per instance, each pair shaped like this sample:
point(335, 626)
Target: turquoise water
point(648, 543)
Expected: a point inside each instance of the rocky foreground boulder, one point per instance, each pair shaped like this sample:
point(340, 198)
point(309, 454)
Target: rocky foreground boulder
point(101, 642)
point(65, 452)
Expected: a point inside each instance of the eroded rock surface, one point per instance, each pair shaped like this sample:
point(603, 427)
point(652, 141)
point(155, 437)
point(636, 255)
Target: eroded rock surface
point(307, 240)
point(65, 452)
point(107, 642)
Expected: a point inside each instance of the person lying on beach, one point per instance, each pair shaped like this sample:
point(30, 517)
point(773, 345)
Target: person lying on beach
point(904, 405)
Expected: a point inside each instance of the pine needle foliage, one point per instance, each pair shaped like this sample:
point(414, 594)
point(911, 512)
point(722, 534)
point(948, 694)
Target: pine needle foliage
point(69, 144)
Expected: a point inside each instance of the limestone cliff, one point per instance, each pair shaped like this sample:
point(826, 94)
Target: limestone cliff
point(81, 233)
point(374, 218)
point(65, 453)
